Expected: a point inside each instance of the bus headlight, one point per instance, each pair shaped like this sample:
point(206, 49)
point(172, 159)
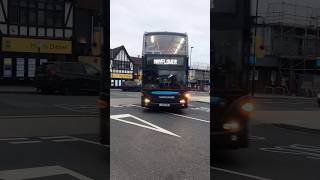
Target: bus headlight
point(187, 95)
point(147, 101)
point(182, 101)
point(247, 107)
point(231, 126)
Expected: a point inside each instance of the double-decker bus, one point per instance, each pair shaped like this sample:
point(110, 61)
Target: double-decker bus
point(231, 106)
point(165, 70)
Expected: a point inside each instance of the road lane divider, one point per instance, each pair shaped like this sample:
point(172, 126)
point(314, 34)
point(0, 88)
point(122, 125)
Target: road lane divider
point(24, 142)
point(13, 139)
point(188, 117)
point(240, 174)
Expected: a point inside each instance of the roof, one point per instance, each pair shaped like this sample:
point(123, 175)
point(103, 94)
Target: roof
point(115, 51)
point(136, 60)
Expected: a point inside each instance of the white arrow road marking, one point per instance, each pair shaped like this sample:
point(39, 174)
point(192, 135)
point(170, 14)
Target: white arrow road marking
point(151, 126)
point(31, 173)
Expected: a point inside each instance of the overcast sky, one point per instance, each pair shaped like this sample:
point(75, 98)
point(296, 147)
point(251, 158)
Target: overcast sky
point(131, 18)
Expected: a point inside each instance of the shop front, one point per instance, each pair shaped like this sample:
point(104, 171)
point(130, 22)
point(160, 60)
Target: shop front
point(20, 57)
point(117, 79)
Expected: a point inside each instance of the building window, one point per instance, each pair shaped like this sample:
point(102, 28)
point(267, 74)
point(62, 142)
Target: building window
point(13, 14)
point(37, 12)
point(23, 15)
point(41, 18)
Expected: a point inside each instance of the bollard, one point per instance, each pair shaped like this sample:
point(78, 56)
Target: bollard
point(103, 105)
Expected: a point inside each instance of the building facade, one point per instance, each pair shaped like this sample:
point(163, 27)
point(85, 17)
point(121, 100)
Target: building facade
point(199, 79)
point(121, 67)
point(137, 68)
point(33, 32)
point(37, 31)
point(288, 46)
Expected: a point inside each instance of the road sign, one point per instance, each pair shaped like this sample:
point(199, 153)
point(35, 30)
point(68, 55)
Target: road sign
point(318, 62)
point(252, 60)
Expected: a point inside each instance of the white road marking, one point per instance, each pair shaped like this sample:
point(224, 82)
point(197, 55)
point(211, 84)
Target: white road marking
point(205, 109)
point(25, 142)
point(13, 139)
point(49, 116)
point(296, 149)
point(65, 140)
point(151, 126)
point(65, 108)
point(54, 137)
point(240, 174)
point(257, 138)
point(89, 141)
point(188, 117)
point(46, 171)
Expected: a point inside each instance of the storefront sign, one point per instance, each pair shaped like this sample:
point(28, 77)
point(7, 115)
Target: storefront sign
point(36, 45)
point(121, 76)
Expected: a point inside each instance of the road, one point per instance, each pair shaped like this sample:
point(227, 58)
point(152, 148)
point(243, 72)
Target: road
point(50, 137)
point(55, 137)
point(276, 151)
point(147, 144)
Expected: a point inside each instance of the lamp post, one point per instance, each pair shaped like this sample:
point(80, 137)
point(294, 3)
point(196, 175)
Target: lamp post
point(254, 48)
point(190, 56)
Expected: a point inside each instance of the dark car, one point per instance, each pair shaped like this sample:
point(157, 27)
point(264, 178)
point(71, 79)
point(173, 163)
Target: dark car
point(130, 85)
point(318, 98)
point(67, 77)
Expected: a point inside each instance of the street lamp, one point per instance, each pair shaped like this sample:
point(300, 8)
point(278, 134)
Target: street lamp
point(190, 56)
point(254, 49)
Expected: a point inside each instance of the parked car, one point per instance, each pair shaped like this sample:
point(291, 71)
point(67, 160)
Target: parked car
point(131, 85)
point(67, 77)
point(318, 98)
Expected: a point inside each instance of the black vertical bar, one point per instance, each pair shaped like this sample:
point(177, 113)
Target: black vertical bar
point(105, 76)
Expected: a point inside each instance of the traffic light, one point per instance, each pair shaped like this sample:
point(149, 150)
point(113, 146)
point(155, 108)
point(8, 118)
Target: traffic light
point(259, 47)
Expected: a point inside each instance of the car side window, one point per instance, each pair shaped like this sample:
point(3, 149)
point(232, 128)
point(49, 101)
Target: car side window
point(72, 68)
point(91, 70)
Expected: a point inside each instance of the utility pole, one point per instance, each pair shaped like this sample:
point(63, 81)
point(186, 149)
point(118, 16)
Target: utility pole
point(254, 49)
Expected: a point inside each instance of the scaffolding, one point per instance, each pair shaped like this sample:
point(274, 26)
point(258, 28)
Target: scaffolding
point(294, 40)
